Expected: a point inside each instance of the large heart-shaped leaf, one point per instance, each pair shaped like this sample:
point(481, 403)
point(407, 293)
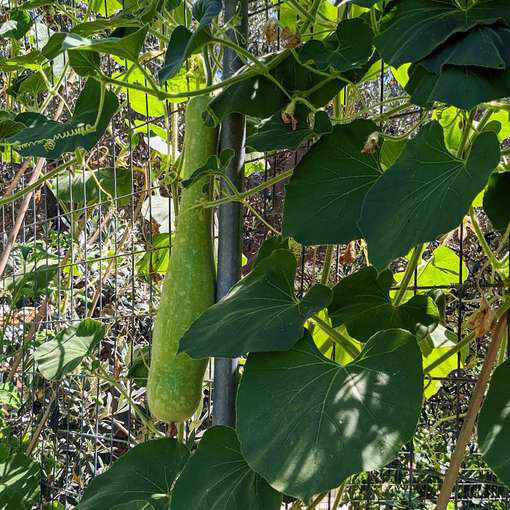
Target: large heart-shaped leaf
point(412, 29)
point(362, 302)
point(65, 352)
point(259, 314)
point(325, 193)
point(217, 476)
point(350, 47)
point(128, 47)
point(479, 84)
point(183, 43)
point(19, 482)
point(318, 422)
point(495, 200)
point(50, 139)
point(426, 193)
point(142, 479)
point(481, 47)
point(494, 424)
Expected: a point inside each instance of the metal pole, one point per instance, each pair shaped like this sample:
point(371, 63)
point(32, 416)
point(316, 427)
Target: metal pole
point(230, 220)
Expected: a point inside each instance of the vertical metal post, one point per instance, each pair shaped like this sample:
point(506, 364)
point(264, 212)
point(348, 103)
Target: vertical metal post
point(230, 220)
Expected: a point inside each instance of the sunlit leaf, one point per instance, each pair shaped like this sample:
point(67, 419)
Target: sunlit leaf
point(318, 422)
point(56, 358)
point(426, 193)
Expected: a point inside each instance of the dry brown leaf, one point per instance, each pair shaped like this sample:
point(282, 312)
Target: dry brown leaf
point(349, 254)
point(371, 144)
point(482, 321)
point(288, 118)
point(290, 39)
point(270, 31)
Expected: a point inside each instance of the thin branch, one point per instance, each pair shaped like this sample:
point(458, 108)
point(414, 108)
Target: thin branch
point(474, 407)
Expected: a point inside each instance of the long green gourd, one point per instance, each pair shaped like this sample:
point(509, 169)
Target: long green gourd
point(174, 387)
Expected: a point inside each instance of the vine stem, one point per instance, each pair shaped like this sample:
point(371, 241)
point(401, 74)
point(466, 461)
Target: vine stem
point(469, 422)
point(413, 264)
point(481, 239)
point(326, 270)
point(336, 337)
point(239, 197)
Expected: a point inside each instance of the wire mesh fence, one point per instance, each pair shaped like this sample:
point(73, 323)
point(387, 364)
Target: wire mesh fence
point(81, 252)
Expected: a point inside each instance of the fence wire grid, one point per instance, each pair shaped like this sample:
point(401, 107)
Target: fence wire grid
point(103, 258)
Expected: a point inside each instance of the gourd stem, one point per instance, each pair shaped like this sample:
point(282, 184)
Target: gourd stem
point(326, 270)
point(411, 267)
point(337, 337)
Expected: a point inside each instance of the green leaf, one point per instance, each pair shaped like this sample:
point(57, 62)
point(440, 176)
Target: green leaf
point(480, 47)
point(350, 47)
point(362, 302)
point(494, 424)
point(20, 480)
point(365, 3)
point(9, 396)
point(32, 283)
point(260, 98)
point(32, 60)
point(412, 29)
point(433, 347)
point(138, 369)
point(139, 101)
point(9, 128)
point(122, 20)
point(452, 122)
point(478, 85)
point(215, 165)
point(183, 43)
point(84, 63)
point(94, 187)
point(105, 7)
point(269, 246)
point(217, 476)
point(326, 191)
point(50, 139)
point(495, 200)
point(426, 193)
point(56, 358)
point(390, 151)
point(156, 258)
point(318, 422)
point(125, 47)
point(441, 269)
point(141, 479)
point(274, 134)
point(260, 313)
point(19, 24)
